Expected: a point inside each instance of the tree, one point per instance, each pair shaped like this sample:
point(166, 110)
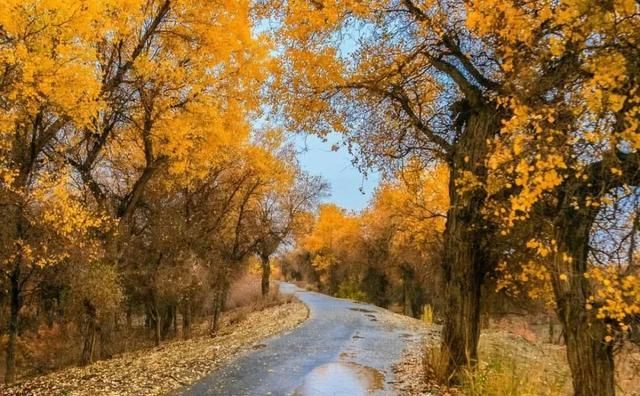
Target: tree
point(281, 213)
point(478, 85)
point(333, 245)
point(569, 144)
point(47, 84)
point(94, 102)
point(399, 79)
point(406, 218)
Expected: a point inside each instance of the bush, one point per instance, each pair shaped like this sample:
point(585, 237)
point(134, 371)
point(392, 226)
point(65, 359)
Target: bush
point(427, 314)
point(350, 290)
point(435, 363)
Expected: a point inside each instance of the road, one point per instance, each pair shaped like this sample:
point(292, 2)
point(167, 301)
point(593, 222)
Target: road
point(344, 348)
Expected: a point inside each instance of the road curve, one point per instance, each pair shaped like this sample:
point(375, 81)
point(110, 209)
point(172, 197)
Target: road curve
point(344, 348)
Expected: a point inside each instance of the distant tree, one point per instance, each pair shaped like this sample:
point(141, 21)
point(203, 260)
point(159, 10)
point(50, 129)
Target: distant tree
point(281, 214)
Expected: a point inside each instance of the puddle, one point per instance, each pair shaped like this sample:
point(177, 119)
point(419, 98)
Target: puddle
point(341, 379)
point(362, 310)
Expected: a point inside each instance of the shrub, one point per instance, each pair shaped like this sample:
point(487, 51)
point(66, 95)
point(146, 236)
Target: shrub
point(427, 314)
point(350, 290)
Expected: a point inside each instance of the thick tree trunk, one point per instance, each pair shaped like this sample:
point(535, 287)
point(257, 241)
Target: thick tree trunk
point(15, 306)
point(266, 275)
point(590, 357)
point(466, 255)
point(463, 281)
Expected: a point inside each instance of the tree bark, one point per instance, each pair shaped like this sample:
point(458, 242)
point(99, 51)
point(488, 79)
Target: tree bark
point(590, 357)
point(266, 274)
point(466, 255)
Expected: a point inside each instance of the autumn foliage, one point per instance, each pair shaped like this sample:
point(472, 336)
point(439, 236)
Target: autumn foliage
point(144, 159)
point(131, 180)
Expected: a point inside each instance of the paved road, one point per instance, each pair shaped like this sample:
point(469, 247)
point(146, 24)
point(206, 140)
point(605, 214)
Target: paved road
point(344, 348)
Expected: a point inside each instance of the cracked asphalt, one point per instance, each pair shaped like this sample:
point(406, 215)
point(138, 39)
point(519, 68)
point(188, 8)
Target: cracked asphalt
point(343, 348)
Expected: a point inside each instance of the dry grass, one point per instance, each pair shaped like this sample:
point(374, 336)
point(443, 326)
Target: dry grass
point(245, 291)
point(245, 296)
point(510, 365)
point(434, 364)
point(306, 285)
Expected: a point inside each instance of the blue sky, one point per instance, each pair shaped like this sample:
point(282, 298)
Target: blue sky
point(336, 167)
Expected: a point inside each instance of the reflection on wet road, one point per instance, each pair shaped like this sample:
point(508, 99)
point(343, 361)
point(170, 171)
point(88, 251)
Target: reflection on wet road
point(341, 379)
point(344, 348)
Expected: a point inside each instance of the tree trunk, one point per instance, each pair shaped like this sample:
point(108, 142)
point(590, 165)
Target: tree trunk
point(167, 322)
point(551, 331)
point(220, 297)
point(461, 331)
point(157, 324)
point(90, 334)
point(16, 305)
point(16, 283)
point(186, 320)
point(266, 274)
point(466, 256)
point(175, 320)
point(590, 357)
point(407, 292)
point(129, 318)
point(218, 305)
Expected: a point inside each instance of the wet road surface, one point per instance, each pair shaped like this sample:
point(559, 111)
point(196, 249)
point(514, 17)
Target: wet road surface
point(343, 349)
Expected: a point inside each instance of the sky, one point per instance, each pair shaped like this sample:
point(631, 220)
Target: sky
point(336, 168)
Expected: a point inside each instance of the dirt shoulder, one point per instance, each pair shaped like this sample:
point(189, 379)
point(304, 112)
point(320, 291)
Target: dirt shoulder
point(161, 370)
